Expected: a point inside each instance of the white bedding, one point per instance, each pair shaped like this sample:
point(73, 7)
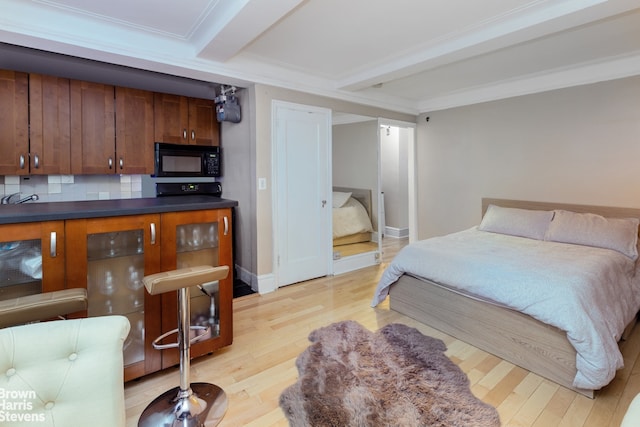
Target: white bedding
point(589, 292)
point(351, 218)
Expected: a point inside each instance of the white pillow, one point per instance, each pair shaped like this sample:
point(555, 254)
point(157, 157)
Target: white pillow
point(532, 224)
point(618, 234)
point(340, 198)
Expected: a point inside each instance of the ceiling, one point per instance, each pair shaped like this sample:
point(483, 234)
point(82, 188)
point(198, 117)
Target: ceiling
point(411, 56)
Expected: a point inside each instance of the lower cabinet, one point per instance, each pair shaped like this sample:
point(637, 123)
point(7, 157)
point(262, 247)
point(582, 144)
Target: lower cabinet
point(31, 258)
point(199, 238)
point(110, 256)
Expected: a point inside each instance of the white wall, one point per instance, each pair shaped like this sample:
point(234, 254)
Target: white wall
point(576, 145)
point(239, 182)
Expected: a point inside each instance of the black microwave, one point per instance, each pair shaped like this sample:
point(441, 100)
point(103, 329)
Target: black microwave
point(177, 160)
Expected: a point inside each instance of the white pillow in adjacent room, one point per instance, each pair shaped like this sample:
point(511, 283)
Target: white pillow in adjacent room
point(340, 198)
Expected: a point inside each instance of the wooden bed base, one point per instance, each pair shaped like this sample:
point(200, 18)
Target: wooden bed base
point(508, 334)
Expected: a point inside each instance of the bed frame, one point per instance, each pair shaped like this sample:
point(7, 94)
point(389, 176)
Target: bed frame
point(363, 196)
point(508, 334)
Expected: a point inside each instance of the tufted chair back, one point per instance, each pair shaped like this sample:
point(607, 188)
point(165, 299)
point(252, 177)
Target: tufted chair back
point(63, 373)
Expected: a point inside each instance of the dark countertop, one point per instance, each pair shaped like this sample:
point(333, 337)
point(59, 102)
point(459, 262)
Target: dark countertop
point(53, 211)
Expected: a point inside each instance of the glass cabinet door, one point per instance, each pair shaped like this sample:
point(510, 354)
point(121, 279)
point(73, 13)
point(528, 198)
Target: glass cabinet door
point(115, 268)
point(31, 259)
point(197, 244)
point(190, 239)
point(110, 257)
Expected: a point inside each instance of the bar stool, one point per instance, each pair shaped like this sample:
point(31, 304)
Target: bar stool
point(190, 404)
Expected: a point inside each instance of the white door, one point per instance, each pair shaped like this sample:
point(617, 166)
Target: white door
point(302, 217)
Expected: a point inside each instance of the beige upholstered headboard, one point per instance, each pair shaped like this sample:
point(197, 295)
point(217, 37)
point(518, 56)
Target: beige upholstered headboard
point(362, 195)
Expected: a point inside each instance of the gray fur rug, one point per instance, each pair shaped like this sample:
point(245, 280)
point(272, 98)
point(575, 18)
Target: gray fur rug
point(350, 376)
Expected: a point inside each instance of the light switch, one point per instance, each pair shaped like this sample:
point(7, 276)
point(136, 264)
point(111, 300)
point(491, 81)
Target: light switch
point(262, 183)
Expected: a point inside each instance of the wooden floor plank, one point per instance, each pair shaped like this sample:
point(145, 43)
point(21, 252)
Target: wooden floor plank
point(271, 330)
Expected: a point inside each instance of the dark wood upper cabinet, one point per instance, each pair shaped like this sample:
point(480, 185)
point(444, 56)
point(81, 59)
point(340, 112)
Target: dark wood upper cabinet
point(205, 129)
point(171, 118)
point(56, 126)
point(50, 125)
point(184, 120)
point(112, 129)
point(134, 131)
point(92, 128)
point(14, 123)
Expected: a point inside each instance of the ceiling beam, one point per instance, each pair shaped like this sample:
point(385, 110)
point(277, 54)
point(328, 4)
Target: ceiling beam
point(233, 24)
point(536, 20)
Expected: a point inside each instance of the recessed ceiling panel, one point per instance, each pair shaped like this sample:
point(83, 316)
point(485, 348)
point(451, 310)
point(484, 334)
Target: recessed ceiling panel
point(177, 17)
point(335, 37)
point(609, 38)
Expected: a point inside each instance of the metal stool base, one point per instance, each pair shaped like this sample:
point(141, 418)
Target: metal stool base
point(208, 399)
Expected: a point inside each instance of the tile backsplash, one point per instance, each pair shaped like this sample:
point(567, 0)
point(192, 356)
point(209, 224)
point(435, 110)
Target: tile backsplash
point(64, 188)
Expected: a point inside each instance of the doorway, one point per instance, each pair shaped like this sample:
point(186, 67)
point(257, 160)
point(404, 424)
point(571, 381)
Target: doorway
point(397, 179)
point(355, 161)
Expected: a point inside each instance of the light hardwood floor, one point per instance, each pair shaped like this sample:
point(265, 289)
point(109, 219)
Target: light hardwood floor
point(271, 330)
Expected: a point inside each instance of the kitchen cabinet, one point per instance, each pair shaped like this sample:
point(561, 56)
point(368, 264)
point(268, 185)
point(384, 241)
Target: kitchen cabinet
point(112, 128)
point(184, 120)
point(134, 131)
point(93, 136)
point(112, 255)
point(32, 258)
point(35, 124)
point(49, 126)
point(196, 238)
point(14, 122)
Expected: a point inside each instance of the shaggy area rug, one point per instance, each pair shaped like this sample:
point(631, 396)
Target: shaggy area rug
point(396, 376)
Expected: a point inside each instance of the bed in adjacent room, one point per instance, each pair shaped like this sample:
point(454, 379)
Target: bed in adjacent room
point(351, 215)
point(549, 287)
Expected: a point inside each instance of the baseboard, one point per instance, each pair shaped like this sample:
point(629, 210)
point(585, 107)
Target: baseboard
point(261, 284)
point(398, 233)
point(266, 283)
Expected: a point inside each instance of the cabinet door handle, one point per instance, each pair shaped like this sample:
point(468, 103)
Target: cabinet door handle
point(153, 233)
point(121, 163)
point(184, 133)
point(53, 245)
point(36, 161)
point(226, 225)
point(110, 163)
point(193, 135)
point(21, 161)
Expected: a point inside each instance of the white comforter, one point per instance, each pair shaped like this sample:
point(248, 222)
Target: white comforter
point(590, 293)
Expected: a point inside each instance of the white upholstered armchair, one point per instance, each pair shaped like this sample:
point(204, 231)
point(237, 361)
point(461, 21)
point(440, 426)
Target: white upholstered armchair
point(63, 373)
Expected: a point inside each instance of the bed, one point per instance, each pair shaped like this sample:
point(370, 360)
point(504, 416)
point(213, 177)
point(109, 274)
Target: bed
point(351, 215)
point(573, 343)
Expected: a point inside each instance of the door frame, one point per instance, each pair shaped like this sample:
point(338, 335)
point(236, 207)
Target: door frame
point(275, 188)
